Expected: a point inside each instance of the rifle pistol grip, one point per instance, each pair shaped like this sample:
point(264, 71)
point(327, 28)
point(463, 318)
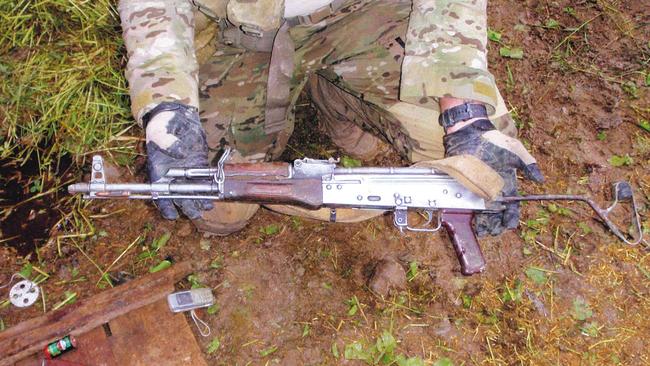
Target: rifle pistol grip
point(458, 224)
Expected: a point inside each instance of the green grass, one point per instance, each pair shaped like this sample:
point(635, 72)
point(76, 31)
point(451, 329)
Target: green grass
point(63, 91)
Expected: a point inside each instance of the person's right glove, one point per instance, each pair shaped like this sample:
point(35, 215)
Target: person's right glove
point(176, 139)
point(505, 155)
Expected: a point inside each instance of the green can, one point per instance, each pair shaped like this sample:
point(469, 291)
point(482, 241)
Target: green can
point(56, 348)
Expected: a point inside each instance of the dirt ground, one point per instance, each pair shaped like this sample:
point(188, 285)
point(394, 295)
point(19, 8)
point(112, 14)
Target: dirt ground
point(560, 290)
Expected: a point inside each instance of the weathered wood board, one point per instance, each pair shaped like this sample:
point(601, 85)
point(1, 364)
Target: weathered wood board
point(151, 335)
point(133, 302)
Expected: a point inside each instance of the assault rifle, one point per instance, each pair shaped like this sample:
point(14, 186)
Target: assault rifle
point(315, 184)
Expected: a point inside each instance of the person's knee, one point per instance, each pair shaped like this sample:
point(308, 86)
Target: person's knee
point(226, 217)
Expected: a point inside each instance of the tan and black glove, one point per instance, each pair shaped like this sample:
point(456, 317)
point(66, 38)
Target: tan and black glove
point(175, 139)
point(505, 155)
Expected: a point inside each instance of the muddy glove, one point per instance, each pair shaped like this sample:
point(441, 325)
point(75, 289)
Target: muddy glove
point(175, 138)
point(505, 155)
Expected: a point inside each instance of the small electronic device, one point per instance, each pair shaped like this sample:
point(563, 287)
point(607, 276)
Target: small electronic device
point(190, 300)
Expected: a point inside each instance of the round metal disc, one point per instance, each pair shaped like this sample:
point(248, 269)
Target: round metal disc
point(24, 293)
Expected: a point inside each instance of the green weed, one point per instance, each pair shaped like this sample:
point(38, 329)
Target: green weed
point(536, 275)
point(581, 310)
point(69, 297)
point(63, 91)
point(270, 229)
point(267, 351)
point(512, 293)
point(213, 346)
point(413, 271)
point(163, 264)
point(619, 161)
point(348, 162)
point(382, 352)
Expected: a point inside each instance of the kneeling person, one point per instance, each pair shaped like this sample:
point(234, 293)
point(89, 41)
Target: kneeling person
point(409, 74)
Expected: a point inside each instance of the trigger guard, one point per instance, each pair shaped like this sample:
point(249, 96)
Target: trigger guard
point(423, 228)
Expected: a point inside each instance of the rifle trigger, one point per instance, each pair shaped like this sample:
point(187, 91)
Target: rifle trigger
point(424, 227)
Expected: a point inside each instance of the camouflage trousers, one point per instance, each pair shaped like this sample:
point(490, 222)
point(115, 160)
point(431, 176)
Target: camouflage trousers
point(351, 65)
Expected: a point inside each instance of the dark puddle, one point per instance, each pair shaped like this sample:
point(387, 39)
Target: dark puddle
point(26, 225)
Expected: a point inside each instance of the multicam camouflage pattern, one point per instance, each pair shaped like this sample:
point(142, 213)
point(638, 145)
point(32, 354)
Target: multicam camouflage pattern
point(159, 38)
point(232, 89)
point(446, 53)
point(397, 57)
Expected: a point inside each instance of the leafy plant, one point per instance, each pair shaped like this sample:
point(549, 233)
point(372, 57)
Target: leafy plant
point(554, 208)
point(493, 35)
point(631, 89)
point(413, 271)
point(644, 124)
point(619, 161)
point(385, 346)
point(335, 350)
point(155, 246)
point(163, 264)
point(591, 329)
point(267, 351)
point(348, 162)
point(353, 305)
point(380, 353)
point(467, 301)
point(26, 270)
point(69, 297)
point(513, 294)
point(217, 263)
point(213, 346)
point(36, 186)
point(270, 229)
point(194, 281)
point(511, 52)
point(357, 351)
point(160, 242)
point(585, 228)
point(536, 275)
point(213, 309)
point(443, 362)
point(552, 23)
point(581, 310)
point(571, 11)
point(401, 360)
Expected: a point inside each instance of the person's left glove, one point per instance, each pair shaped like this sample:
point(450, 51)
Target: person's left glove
point(176, 139)
point(505, 155)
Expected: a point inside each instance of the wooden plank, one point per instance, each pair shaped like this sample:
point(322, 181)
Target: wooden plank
point(93, 348)
point(31, 336)
point(150, 335)
point(153, 335)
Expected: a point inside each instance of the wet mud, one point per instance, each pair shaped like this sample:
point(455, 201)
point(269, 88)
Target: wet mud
point(29, 207)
